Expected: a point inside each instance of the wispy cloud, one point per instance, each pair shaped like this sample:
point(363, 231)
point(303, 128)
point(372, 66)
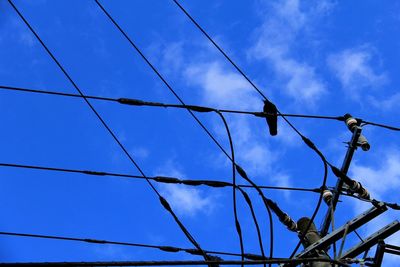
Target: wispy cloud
point(227, 89)
point(383, 182)
point(386, 104)
point(354, 69)
point(383, 179)
point(220, 87)
point(187, 201)
point(276, 37)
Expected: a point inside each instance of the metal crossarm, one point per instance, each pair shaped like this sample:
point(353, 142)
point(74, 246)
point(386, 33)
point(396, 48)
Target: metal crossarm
point(372, 240)
point(338, 233)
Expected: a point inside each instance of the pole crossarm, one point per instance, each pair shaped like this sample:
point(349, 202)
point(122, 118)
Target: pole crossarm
point(352, 225)
point(372, 240)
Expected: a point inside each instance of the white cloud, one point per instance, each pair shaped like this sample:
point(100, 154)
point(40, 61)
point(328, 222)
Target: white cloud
point(222, 88)
point(383, 182)
point(140, 152)
point(275, 38)
point(383, 179)
point(283, 180)
point(388, 104)
point(183, 199)
point(226, 89)
point(353, 68)
point(187, 201)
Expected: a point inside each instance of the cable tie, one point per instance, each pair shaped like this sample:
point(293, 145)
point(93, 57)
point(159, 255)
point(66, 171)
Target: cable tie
point(137, 102)
point(193, 251)
point(169, 249)
point(165, 204)
point(94, 173)
point(241, 172)
point(238, 228)
point(199, 108)
point(216, 183)
point(89, 240)
point(192, 182)
point(246, 197)
point(168, 180)
point(309, 143)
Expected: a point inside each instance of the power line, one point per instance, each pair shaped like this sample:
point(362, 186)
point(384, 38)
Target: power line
point(159, 179)
point(171, 249)
point(137, 102)
point(393, 206)
point(178, 263)
point(136, 48)
point(246, 197)
point(160, 77)
point(307, 141)
point(237, 223)
point(163, 201)
point(380, 125)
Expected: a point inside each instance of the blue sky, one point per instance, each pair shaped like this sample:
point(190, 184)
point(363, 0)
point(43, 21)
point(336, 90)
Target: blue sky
point(311, 57)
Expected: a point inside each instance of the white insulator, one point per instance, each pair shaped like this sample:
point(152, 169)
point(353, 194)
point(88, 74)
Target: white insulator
point(351, 122)
point(327, 196)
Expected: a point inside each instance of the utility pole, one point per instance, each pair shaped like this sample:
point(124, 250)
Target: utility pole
point(356, 140)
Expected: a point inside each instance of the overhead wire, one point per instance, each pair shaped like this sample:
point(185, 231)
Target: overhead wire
point(236, 217)
point(137, 102)
point(163, 201)
point(159, 179)
point(188, 109)
point(171, 249)
point(178, 263)
point(246, 197)
point(136, 48)
point(307, 141)
point(394, 206)
point(160, 76)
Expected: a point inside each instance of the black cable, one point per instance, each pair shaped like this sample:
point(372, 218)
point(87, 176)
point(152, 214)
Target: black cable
point(128, 101)
point(244, 175)
point(233, 63)
point(219, 48)
point(171, 249)
point(179, 99)
point(136, 102)
point(306, 140)
point(393, 206)
point(312, 146)
point(162, 199)
point(159, 179)
point(97, 241)
point(380, 125)
point(160, 76)
point(176, 263)
point(253, 215)
point(246, 197)
point(237, 222)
